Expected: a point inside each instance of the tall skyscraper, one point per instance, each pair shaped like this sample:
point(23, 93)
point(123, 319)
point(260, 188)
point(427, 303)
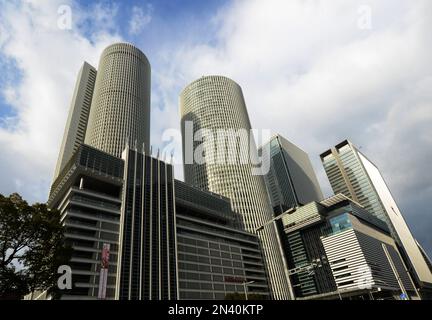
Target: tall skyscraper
point(76, 123)
point(291, 180)
point(120, 109)
point(354, 175)
point(212, 104)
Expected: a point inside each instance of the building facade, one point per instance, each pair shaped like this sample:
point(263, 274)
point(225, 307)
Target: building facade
point(350, 253)
point(215, 104)
point(120, 109)
point(76, 123)
point(214, 257)
point(119, 205)
point(291, 180)
point(165, 239)
point(147, 265)
point(88, 194)
point(354, 175)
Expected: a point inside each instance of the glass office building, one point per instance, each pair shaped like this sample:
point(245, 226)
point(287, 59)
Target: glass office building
point(353, 174)
point(357, 258)
point(364, 257)
point(303, 231)
point(291, 180)
point(215, 104)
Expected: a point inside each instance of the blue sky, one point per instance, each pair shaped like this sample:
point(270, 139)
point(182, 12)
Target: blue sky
point(316, 72)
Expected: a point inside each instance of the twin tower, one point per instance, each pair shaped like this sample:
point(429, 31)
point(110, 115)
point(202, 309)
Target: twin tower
point(111, 108)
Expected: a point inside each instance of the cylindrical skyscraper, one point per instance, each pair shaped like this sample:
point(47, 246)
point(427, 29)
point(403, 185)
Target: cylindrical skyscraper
point(210, 107)
point(120, 109)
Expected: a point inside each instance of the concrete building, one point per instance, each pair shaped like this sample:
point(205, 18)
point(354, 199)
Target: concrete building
point(109, 108)
point(341, 251)
point(118, 204)
point(159, 246)
point(291, 180)
point(214, 257)
point(353, 174)
point(76, 123)
point(209, 106)
point(147, 264)
point(303, 231)
point(120, 109)
point(88, 194)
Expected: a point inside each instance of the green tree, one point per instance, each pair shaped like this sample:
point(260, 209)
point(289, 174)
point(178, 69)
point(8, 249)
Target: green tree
point(32, 247)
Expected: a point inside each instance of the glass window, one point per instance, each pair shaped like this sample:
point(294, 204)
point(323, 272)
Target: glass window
point(217, 278)
point(204, 268)
point(230, 287)
point(214, 253)
point(340, 223)
point(214, 245)
point(218, 287)
point(217, 269)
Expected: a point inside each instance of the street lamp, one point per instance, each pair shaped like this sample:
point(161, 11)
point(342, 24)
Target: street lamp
point(245, 284)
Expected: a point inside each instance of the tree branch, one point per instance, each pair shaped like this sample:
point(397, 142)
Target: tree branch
point(11, 257)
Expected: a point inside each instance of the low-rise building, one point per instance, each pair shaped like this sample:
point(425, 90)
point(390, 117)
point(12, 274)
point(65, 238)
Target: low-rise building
point(215, 258)
point(339, 250)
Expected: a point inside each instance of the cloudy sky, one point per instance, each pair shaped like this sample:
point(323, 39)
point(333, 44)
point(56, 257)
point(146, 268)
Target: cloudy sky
point(315, 71)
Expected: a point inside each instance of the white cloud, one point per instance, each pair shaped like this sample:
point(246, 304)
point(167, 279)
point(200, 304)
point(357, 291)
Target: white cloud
point(140, 18)
point(306, 69)
point(48, 60)
point(310, 73)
